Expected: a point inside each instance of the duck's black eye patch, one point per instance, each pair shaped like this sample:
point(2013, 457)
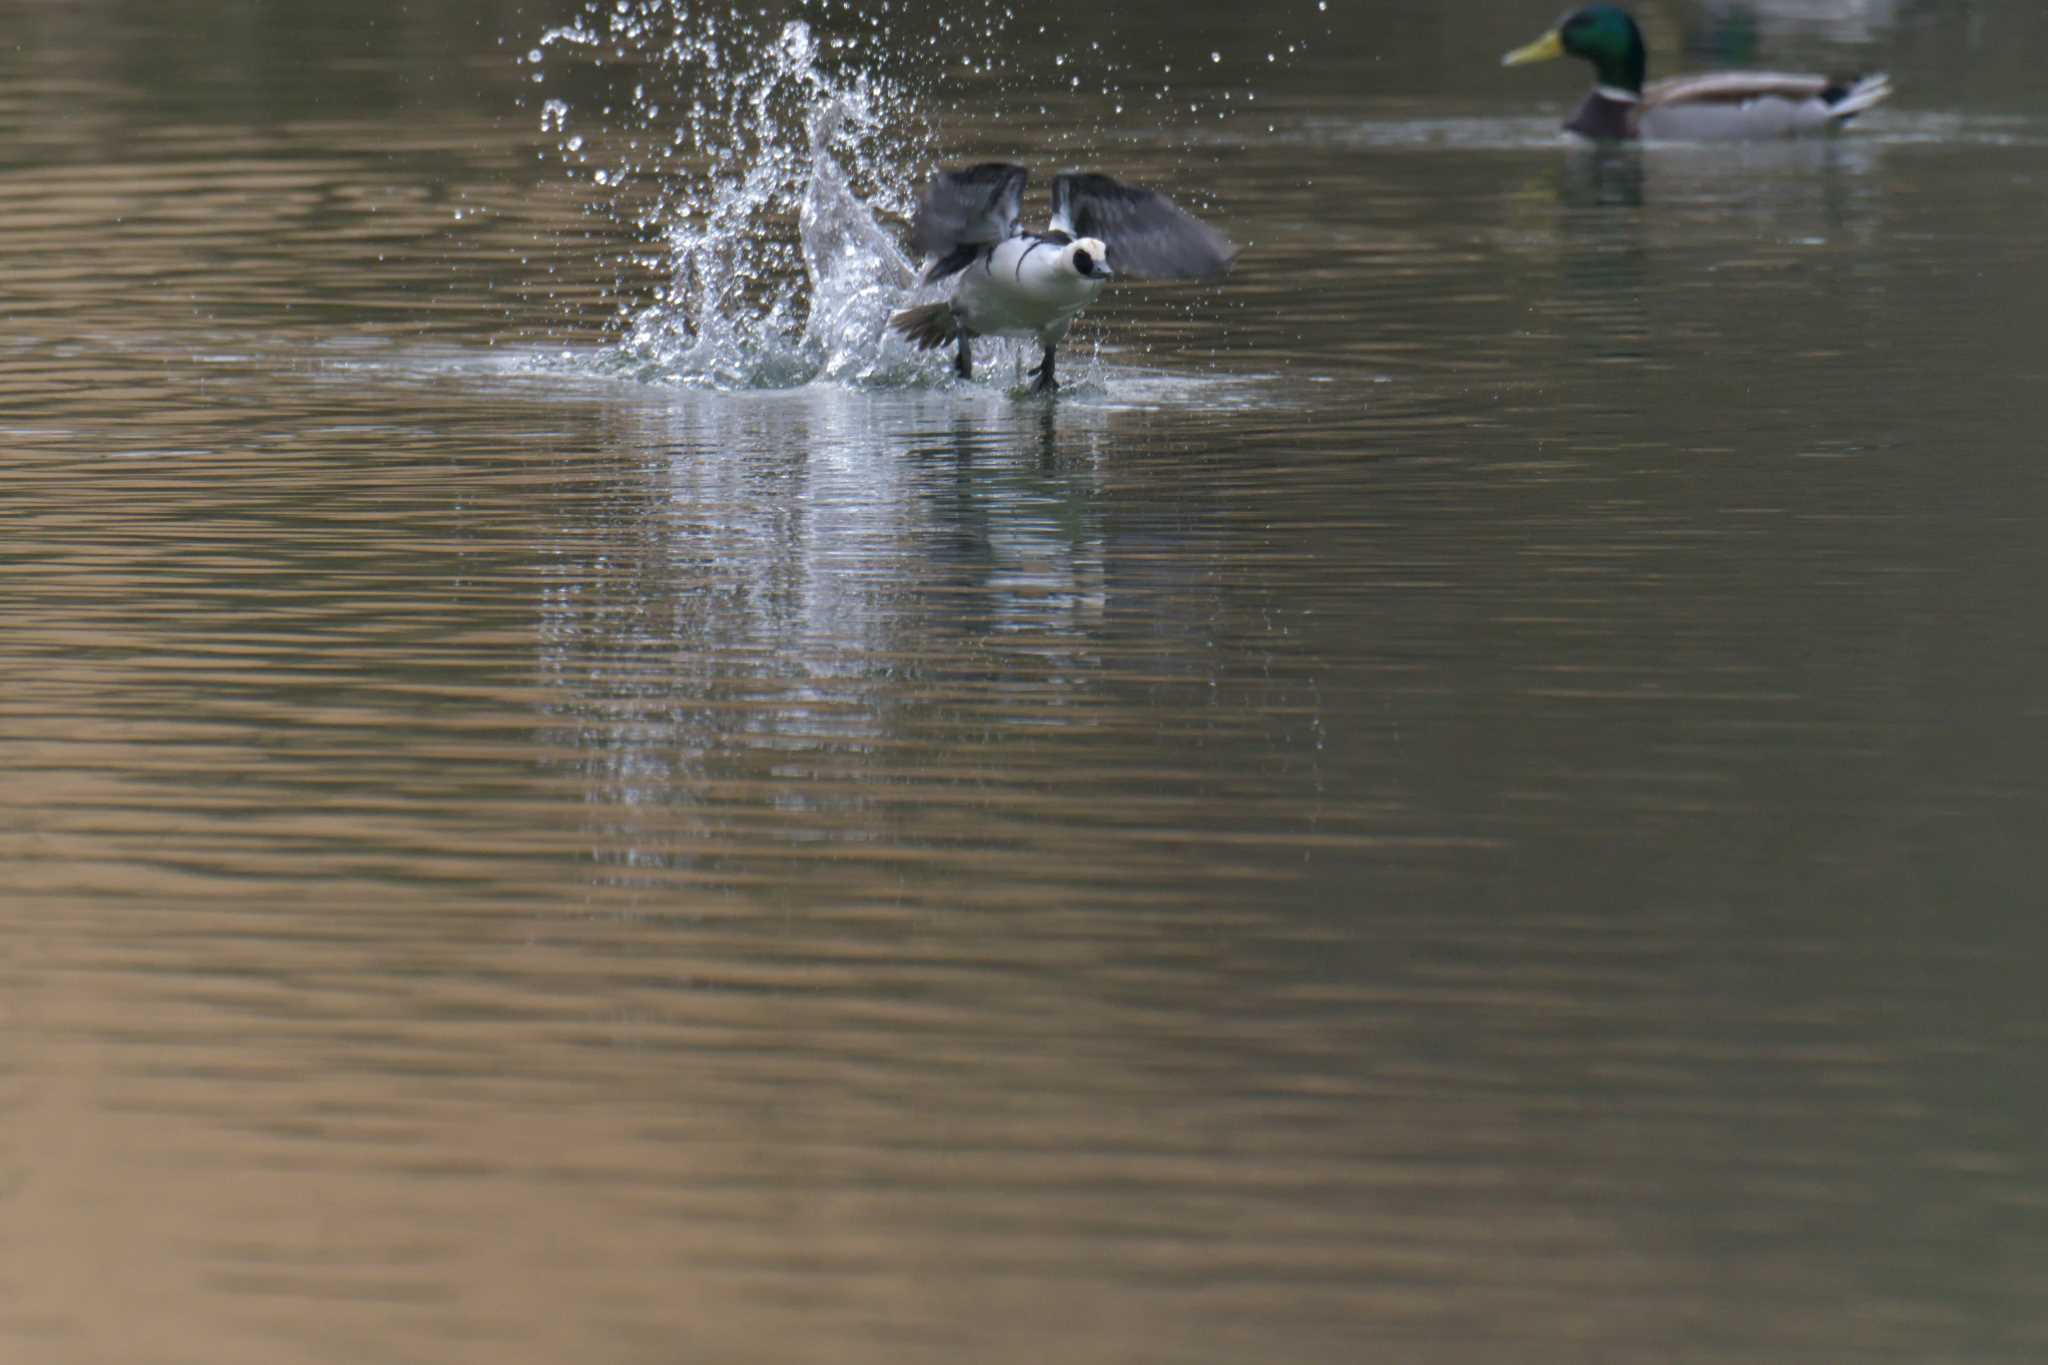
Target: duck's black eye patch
point(1084, 263)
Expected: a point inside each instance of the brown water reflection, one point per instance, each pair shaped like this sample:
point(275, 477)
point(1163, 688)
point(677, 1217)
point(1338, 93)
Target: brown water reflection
point(1477, 802)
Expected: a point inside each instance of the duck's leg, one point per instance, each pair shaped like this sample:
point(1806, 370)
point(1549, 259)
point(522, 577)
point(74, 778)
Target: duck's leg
point(1046, 383)
point(963, 359)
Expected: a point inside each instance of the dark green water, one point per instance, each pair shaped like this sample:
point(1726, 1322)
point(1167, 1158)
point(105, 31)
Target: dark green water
point(1474, 795)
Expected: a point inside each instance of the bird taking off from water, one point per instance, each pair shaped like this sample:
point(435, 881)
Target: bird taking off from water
point(1034, 284)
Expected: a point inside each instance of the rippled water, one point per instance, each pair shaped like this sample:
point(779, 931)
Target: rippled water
point(1472, 794)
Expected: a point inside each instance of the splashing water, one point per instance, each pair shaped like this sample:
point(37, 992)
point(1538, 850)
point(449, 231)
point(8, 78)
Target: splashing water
point(762, 165)
point(762, 194)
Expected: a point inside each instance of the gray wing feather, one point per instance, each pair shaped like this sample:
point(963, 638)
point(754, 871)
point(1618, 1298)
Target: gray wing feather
point(975, 207)
point(1148, 235)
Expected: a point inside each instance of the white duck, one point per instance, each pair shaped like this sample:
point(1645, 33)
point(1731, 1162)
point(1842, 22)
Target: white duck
point(1017, 283)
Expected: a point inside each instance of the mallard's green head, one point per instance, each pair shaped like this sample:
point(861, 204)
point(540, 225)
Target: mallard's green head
point(1603, 35)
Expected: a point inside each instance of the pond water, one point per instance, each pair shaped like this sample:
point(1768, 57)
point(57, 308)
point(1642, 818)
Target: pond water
point(1470, 794)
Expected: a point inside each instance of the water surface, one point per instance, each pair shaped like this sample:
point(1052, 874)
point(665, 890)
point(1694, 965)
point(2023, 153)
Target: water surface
point(1470, 795)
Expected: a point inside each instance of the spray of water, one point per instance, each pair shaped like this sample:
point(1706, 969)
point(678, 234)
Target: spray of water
point(763, 165)
point(759, 178)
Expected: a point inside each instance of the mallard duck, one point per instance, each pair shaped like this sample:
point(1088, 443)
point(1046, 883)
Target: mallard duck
point(1034, 284)
point(1714, 105)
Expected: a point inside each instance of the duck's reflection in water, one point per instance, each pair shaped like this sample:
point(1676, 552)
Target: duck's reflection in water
point(819, 603)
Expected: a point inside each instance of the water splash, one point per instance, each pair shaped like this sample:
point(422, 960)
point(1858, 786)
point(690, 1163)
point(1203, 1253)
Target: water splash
point(857, 273)
point(759, 177)
point(762, 169)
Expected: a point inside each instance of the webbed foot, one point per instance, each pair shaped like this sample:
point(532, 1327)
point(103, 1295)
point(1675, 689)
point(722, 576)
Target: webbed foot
point(1046, 383)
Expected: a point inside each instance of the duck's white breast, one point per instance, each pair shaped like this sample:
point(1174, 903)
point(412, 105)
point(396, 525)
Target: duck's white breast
point(1021, 287)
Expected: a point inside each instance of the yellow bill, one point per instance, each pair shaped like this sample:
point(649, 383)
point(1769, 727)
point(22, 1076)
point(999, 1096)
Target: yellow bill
point(1549, 46)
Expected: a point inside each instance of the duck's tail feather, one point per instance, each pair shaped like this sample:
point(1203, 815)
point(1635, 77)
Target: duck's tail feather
point(928, 326)
point(1846, 99)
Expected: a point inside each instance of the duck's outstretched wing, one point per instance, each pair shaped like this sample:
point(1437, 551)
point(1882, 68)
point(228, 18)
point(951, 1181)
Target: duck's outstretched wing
point(1149, 236)
point(964, 211)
